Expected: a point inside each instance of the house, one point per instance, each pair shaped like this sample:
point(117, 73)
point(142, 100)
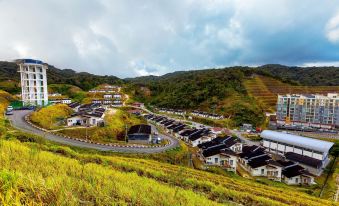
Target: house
point(140, 134)
point(60, 101)
point(314, 166)
point(294, 174)
point(258, 163)
point(75, 106)
point(231, 143)
point(217, 130)
point(249, 154)
point(221, 156)
point(179, 128)
point(186, 133)
point(107, 102)
point(199, 137)
point(86, 119)
point(298, 148)
point(108, 96)
point(117, 96)
point(97, 101)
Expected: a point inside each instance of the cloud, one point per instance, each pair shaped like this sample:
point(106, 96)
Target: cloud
point(332, 29)
point(129, 38)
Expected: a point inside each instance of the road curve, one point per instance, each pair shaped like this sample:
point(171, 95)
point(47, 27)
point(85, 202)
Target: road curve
point(18, 122)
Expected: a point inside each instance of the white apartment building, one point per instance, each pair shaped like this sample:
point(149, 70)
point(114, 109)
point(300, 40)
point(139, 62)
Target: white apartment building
point(33, 82)
point(316, 110)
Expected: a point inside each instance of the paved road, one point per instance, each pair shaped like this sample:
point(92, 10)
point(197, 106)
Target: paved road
point(243, 139)
point(17, 120)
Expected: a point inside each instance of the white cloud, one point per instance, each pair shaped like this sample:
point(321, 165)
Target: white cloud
point(110, 36)
point(332, 29)
point(321, 64)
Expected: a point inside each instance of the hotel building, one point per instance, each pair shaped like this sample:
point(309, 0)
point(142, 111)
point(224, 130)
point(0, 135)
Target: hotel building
point(33, 82)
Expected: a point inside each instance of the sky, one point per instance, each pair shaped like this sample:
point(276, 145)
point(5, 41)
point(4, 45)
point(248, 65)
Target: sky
point(129, 38)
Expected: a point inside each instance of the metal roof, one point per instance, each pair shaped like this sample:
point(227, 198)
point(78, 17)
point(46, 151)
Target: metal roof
point(313, 144)
point(29, 61)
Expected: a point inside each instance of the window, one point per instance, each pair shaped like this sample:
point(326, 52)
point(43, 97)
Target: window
point(262, 171)
point(231, 162)
point(296, 180)
point(216, 160)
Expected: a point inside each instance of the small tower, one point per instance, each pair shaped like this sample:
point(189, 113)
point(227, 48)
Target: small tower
point(33, 82)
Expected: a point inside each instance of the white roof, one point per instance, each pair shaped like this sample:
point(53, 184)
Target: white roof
point(313, 144)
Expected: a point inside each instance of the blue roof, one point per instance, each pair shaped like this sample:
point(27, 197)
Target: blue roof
point(32, 61)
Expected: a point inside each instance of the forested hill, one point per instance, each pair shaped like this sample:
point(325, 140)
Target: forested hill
point(306, 76)
point(84, 80)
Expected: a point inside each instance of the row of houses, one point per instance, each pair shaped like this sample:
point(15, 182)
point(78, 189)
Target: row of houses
point(192, 136)
point(116, 103)
point(86, 115)
point(60, 101)
point(206, 115)
point(229, 153)
point(105, 89)
point(193, 113)
point(172, 111)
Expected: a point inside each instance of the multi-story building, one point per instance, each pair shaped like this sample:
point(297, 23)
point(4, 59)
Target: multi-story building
point(309, 110)
point(33, 82)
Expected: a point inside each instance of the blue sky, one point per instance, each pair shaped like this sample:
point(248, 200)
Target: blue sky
point(131, 38)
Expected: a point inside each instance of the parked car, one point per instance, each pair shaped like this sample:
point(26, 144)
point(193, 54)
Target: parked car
point(9, 112)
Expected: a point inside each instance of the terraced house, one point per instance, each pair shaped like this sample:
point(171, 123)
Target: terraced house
point(316, 110)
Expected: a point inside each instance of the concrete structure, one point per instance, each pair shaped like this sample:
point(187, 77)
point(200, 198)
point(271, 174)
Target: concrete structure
point(33, 82)
point(309, 152)
point(61, 101)
point(140, 134)
point(317, 111)
point(225, 158)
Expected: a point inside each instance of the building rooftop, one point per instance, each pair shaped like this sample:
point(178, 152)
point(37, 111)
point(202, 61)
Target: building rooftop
point(140, 129)
point(293, 171)
point(29, 61)
point(314, 144)
point(259, 161)
point(303, 159)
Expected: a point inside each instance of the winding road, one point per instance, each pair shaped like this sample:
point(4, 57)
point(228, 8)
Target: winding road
point(17, 120)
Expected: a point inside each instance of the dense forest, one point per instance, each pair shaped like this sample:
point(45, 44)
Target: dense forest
point(307, 76)
point(214, 90)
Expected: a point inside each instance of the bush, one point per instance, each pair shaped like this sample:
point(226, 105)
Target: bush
point(49, 117)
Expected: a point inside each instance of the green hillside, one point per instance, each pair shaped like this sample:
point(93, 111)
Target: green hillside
point(84, 80)
point(266, 89)
point(36, 172)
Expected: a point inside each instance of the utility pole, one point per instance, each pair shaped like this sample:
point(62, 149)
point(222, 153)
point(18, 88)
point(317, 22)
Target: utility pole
point(126, 132)
point(86, 133)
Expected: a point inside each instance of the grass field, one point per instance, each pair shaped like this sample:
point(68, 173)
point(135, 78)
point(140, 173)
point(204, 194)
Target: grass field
point(34, 171)
point(265, 90)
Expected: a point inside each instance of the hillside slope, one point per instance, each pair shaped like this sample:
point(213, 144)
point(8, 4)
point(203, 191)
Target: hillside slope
point(36, 172)
point(31, 175)
point(266, 89)
point(84, 80)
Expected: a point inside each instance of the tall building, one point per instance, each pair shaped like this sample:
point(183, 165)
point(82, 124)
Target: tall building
point(33, 82)
point(309, 110)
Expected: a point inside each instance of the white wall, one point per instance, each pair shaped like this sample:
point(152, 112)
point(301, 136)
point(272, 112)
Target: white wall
point(257, 171)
